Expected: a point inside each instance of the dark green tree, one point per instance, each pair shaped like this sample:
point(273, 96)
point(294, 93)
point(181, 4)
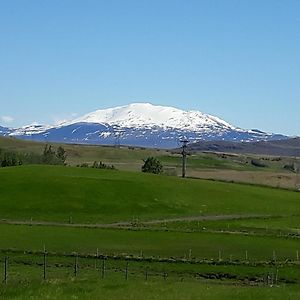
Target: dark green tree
point(152, 165)
point(61, 155)
point(49, 156)
point(9, 159)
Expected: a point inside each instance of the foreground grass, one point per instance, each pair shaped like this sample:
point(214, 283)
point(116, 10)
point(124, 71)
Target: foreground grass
point(117, 288)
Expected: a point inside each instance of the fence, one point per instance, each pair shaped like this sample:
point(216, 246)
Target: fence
point(76, 264)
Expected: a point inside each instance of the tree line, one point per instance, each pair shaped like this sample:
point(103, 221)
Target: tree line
point(58, 156)
point(49, 156)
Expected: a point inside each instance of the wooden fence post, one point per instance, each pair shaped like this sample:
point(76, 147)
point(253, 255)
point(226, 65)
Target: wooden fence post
point(103, 268)
point(276, 278)
point(76, 265)
point(5, 269)
point(146, 274)
point(126, 271)
point(165, 275)
point(45, 265)
point(96, 258)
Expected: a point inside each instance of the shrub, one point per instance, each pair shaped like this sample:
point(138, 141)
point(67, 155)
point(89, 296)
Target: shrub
point(152, 165)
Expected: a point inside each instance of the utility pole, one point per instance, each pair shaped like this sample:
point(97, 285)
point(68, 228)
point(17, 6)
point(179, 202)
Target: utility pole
point(184, 154)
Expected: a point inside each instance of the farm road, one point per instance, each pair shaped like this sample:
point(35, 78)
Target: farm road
point(131, 224)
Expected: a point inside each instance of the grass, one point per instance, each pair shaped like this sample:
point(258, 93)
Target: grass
point(139, 289)
point(226, 167)
point(55, 193)
point(204, 245)
point(183, 281)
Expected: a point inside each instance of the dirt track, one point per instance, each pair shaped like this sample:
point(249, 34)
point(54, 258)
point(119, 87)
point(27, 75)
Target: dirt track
point(131, 224)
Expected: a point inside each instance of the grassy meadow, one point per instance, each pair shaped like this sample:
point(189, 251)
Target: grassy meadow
point(158, 236)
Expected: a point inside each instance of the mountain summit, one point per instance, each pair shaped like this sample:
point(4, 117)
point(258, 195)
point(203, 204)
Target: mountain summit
point(140, 124)
point(140, 115)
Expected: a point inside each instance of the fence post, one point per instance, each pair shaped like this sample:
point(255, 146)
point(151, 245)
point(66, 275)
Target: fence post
point(103, 268)
point(165, 275)
point(5, 269)
point(126, 271)
point(45, 265)
point(276, 278)
point(76, 265)
point(96, 258)
point(146, 274)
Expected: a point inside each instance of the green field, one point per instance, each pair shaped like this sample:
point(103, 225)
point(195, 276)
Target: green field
point(96, 196)
point(220, 240)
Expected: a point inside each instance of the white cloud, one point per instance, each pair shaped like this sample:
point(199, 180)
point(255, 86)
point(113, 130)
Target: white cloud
point(7, 119)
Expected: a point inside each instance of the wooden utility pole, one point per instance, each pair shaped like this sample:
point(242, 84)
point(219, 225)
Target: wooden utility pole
point(184, 154)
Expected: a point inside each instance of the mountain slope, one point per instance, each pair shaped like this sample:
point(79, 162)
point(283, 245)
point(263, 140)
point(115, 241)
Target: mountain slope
point(287, 147)
point(4, 131)
point(141, 124)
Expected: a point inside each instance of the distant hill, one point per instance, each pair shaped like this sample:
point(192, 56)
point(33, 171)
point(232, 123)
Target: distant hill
point(287, 147)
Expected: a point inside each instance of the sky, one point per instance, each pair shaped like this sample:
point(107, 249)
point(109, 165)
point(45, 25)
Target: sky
point(236, 59)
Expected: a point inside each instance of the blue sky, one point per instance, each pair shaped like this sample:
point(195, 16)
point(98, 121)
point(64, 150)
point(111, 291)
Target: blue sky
point(239, 60)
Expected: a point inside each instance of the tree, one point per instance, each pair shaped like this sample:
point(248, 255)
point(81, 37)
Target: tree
point(49, 156)
point(152, 165)
point(8, 159)
point(61, 155)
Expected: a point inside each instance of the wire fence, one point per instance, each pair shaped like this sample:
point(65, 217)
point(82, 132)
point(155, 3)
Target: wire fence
point(18, 265)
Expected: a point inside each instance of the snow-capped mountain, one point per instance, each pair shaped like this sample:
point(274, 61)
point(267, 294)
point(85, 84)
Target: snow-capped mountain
point(140, 124)
point(146, 115)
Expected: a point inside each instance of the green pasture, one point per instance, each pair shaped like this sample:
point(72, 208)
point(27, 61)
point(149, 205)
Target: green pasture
point(275, 225)
point(199, 245)
point(249, 248)
point(52, 193)
point(117, 288)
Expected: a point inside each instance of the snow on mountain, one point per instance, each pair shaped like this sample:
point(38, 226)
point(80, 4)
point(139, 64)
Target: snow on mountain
point(140, 124)
point(31, 129)
point(146, 115)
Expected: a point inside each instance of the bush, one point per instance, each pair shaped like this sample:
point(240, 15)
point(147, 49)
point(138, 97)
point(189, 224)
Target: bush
point(152, 165)
point(102, 165)
point(257, 163)
point(50, 157)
